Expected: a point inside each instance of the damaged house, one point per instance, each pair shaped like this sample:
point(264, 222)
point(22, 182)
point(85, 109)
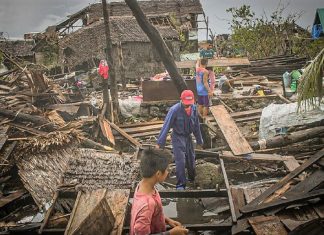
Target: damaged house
point(87, 46)
point(81, 41)
point(20, 49)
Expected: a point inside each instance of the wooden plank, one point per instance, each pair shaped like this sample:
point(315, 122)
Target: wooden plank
point(241, 225)
point(307, 184)
point(248, 97)
point(265, 225)
point(319, 210)
point(248, 119)
point(291, 164)
point(144, 134)
point(3, 139)
point(91, 214)
point(134, 130)
point(229, 193)
point(118, 201)
point(285, 201)
point(123, 133)
point(141, 124)
point(30, 130)
point(321, 162)
point(251, 193)
point(252, 112)
point(11, 197)
point(232, 133)
point(238, 200)
point(284, 181)
point(284, 99)
point(219, 62)
point(255, 156)
point(106, 130)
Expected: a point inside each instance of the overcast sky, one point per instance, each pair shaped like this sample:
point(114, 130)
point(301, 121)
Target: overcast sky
point(20, 16)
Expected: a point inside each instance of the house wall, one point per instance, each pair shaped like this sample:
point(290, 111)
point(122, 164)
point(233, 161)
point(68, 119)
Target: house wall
point(140, 58)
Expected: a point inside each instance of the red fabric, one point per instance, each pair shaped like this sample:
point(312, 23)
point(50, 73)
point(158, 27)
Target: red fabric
point(187, 97)
point(147, 214)
point(103, 70)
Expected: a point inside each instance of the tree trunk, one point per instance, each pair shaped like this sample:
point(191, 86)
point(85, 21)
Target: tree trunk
point(294, 137)
point(159, 44)
point(121, 65)
point(22, 117)
point(112, 78)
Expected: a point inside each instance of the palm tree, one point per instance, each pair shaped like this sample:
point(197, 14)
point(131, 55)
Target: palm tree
point(310, 89)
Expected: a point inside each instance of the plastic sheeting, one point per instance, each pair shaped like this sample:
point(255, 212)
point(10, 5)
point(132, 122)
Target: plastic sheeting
point(130, 107)
point(316, 31)
point(276, 117)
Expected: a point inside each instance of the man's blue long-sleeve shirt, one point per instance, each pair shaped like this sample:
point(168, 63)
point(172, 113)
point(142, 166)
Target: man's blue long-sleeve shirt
point(181, 123)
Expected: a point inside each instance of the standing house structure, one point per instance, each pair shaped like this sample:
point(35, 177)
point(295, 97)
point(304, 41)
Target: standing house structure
point(86, 46)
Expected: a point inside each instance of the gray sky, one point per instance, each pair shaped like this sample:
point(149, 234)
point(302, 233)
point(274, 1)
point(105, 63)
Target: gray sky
point(20, 16)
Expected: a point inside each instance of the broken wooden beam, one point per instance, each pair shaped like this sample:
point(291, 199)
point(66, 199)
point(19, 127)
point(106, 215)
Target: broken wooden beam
point(11, 197)
point(283, 201)
point(232, 133)
point(91, 208)
point(22, 117)
point(283, 140)
point(229, 192)
point(257, 201)
point(123, 133)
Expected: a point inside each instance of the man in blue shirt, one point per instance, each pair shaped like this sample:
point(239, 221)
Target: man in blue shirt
point(208, 53)
point(183, 119)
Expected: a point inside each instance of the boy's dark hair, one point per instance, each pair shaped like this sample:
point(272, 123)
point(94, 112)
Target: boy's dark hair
point(204, 61)
point(153, 160)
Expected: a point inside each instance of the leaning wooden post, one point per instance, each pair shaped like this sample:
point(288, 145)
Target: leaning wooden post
point(112, 78)
point(159, 44)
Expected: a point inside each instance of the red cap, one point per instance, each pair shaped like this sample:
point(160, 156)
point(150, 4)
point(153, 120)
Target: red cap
point(187, 97)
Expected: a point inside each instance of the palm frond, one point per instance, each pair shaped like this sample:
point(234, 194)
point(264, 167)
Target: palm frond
point(310, 86)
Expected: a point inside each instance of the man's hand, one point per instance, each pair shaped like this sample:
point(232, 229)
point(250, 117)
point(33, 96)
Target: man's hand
point(210, 94)
point(157, 146)
point(172, 222)
point(179, 230)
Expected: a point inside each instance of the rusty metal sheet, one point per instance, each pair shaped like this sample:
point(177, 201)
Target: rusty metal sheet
point(164, 90)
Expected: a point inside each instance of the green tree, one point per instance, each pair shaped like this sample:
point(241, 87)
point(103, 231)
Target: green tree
point(264, 36)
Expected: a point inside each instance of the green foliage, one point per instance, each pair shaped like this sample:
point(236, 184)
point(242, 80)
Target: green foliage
point(50, 52)
point(258, 37)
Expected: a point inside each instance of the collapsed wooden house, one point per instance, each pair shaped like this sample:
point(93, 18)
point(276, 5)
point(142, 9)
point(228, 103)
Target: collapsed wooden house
point(21, 49)
point(82, 43)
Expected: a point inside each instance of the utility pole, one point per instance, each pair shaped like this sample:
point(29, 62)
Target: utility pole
point(113, 86)
point(159, 44)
